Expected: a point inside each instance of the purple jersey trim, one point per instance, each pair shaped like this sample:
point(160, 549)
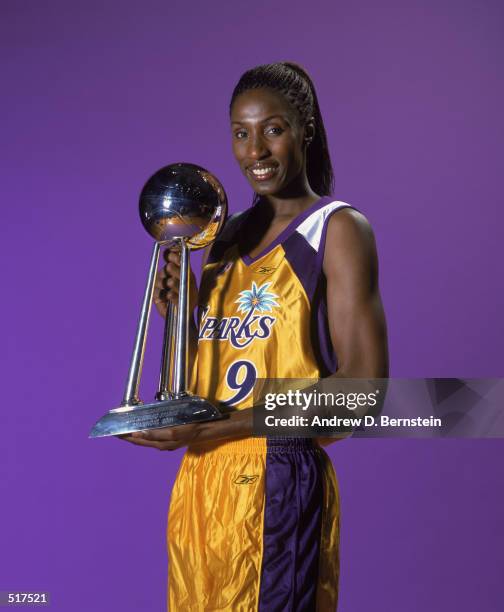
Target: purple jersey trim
point(302, 258)
point(321, 342)
point(306, 263)
point(292, 527)
point(247, 260)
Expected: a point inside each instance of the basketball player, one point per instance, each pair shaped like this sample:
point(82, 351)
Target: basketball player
point(288, 290)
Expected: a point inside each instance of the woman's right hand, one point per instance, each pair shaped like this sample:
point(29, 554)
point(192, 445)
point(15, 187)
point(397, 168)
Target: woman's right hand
point(167, 283)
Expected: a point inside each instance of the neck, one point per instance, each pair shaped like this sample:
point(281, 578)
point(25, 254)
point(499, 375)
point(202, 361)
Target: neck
point(291, 202)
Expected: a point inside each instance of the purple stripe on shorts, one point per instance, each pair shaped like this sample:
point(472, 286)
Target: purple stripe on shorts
point(292, 527)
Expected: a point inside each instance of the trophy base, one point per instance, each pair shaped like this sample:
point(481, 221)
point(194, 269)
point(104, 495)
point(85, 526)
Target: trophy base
point(168, 413)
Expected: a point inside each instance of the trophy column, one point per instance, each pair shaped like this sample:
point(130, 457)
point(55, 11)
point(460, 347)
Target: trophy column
point(182, 205)
point(181, 343)
point(135, 371)
point(166, 374)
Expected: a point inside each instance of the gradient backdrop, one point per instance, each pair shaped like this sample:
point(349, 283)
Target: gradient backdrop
point(96, 96)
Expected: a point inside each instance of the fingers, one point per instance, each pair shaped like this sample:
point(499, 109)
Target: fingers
point(159, 297)
point(172, 270)
point(166, 438)
point(168, 283)
point(172, 256)
point(171, 280)
point(177, 433)
point(136, 439)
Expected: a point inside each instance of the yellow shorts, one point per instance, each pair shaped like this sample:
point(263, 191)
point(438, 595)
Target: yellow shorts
point(254, 526)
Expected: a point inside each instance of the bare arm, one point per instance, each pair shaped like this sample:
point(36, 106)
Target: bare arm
point(356, 317)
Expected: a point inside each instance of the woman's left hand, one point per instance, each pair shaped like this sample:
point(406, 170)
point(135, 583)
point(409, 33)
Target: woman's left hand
point(166, 438)
point(234, 424)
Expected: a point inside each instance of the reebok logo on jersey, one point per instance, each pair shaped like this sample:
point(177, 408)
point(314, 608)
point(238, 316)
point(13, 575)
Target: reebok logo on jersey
point(266, 270)
point(246, 479)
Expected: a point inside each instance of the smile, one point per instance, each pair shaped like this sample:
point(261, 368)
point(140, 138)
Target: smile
point(263, 173)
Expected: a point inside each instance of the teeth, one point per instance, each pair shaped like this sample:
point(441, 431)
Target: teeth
point(262, 171)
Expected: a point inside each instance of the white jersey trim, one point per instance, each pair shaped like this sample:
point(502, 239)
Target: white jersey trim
point(312, 227)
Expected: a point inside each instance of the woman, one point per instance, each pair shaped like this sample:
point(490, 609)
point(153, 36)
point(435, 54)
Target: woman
point(289, 285)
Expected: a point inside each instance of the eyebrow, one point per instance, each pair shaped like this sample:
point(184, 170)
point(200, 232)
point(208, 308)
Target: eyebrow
point(264, 120)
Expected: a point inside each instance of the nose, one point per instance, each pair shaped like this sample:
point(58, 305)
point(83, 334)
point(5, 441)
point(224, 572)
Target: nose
point(257, 147)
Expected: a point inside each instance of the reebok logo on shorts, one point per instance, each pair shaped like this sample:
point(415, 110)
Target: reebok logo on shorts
point(246, 479)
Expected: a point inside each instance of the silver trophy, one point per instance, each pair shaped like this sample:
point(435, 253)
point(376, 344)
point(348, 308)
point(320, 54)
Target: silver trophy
point(185, 206)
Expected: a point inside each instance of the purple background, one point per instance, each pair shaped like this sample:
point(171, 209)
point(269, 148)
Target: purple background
point(98, 95)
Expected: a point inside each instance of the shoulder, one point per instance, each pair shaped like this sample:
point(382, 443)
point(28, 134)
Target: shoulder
point(349, 228)
point(350, 240)
point(349, 225)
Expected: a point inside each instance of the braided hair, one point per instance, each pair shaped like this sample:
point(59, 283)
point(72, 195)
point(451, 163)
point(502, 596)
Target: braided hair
point(294, 83)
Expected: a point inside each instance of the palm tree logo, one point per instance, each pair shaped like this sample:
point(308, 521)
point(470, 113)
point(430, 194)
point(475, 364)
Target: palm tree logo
point(258, 298)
